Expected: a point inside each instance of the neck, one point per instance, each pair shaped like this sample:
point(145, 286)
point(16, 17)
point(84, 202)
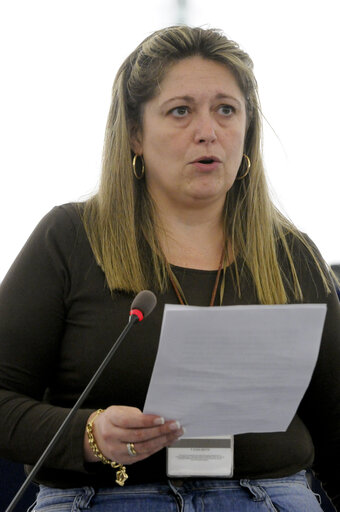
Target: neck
point(192, 238)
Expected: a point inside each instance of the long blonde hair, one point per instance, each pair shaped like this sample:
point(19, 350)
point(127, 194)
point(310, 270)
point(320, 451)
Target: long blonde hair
point(120, 219)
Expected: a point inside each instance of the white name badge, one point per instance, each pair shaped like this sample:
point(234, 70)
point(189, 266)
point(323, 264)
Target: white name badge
point(201, 457)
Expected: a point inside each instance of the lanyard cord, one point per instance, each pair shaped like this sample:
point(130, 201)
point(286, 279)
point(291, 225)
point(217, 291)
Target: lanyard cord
point(179, 291)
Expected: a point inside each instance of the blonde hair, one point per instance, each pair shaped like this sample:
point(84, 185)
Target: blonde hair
point(120, 219)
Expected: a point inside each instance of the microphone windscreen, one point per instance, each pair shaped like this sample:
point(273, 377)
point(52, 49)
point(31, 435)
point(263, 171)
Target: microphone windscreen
point(145, 302)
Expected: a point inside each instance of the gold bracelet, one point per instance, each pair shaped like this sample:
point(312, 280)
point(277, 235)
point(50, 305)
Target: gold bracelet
point(121, 475)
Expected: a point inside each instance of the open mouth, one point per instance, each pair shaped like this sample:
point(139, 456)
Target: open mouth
point(207, 161)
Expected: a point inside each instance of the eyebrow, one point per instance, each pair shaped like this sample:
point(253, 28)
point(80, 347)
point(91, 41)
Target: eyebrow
point(191, 99)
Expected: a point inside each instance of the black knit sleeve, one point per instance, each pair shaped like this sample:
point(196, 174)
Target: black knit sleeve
point(320, 407)
point(33, 303)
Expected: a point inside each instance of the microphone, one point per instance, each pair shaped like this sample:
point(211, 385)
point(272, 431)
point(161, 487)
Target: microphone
point(141, 307)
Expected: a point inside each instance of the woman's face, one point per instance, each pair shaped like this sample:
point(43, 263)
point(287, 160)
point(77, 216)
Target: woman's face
point(192, 135)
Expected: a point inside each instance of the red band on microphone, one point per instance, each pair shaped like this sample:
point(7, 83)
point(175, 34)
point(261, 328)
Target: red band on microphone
point(138, 313)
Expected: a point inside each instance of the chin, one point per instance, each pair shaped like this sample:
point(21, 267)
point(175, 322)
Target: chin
point(209, 193)
point(205, 199)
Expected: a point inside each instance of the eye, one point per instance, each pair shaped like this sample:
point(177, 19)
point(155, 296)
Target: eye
point(226, 110)
point(181, 111)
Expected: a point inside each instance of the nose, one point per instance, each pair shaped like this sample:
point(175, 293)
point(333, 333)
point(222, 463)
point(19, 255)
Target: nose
point(205, 129)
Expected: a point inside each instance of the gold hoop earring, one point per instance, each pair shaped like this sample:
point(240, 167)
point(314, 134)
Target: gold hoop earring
point(141, 175)
point(248, 167)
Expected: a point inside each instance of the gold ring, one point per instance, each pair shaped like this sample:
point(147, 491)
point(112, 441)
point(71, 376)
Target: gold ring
point(131, 449)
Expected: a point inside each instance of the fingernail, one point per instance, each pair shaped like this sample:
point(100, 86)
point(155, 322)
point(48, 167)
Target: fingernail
point(159, 421)
point(181, 432)
point(175, 425)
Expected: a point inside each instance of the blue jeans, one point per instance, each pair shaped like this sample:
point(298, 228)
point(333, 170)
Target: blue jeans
point(289, 494)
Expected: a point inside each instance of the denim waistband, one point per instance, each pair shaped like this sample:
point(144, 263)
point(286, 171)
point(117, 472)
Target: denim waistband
point(188, 484)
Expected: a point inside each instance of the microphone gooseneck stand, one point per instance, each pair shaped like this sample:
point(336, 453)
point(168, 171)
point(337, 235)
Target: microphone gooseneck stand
point(142, 305)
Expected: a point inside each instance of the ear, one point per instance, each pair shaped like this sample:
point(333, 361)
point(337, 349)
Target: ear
point(136, 140)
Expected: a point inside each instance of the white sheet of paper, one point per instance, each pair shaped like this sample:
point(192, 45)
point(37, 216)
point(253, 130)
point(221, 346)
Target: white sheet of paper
point(234, 369)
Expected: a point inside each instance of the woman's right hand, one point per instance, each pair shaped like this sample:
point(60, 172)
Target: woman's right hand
point(119, 425)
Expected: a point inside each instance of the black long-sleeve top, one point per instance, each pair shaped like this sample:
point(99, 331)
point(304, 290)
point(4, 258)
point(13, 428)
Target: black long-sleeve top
point(58, 319)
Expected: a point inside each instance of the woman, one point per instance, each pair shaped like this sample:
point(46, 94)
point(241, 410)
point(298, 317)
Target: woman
point(183, 210)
